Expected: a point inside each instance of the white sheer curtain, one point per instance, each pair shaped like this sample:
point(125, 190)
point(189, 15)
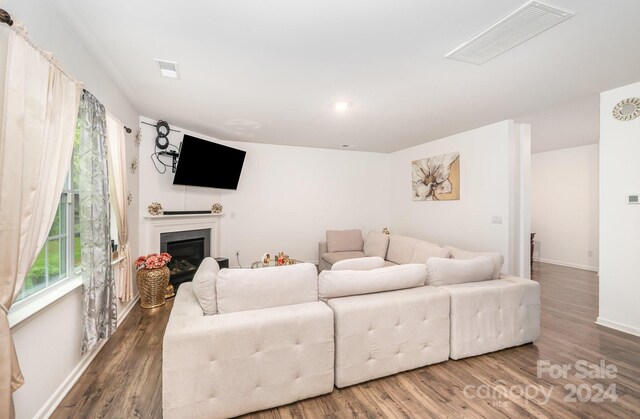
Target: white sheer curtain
point(36, 142)
point(118, 190)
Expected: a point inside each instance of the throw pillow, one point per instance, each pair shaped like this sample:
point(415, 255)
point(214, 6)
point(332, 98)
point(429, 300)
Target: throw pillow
point(344, 240)
point(358, 264)
point(253, 289)
point(376, 244)
point(332, 284)
point(498, 259)
point(423, 250)
point(445, 271)
point(204, 285)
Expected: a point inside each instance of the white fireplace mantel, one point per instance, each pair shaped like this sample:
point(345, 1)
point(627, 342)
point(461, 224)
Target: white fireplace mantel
point(158, 224)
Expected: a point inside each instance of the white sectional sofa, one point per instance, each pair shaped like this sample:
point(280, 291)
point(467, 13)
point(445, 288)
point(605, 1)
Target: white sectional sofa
point(241, 340)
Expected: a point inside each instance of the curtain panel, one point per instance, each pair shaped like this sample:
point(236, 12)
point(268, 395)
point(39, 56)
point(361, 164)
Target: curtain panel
point(36, 143)
point(99, 308)
point(118, 190)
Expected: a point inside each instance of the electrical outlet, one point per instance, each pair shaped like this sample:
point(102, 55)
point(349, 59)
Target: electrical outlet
point(590, 253)
point(237, 252)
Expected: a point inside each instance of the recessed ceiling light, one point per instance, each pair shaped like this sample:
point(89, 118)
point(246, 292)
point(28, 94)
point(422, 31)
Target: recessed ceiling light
point(523, 24)
point(341, 106)
point(168, 69)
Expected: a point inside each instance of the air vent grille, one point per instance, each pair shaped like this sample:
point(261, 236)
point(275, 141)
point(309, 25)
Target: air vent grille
point(168, 68)
point(528, 21)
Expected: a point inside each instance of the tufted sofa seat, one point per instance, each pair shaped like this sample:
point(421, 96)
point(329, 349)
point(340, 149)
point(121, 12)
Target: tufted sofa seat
point(254, 353)
point(386, 321)
point(492, 315)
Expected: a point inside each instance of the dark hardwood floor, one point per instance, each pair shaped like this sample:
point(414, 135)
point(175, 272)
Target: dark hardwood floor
point(125, 379)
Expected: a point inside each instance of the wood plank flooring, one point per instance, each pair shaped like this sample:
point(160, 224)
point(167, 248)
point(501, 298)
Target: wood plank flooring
point(125, 380)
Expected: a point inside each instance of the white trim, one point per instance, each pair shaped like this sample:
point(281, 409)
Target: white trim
point(570, 265)
point(54, 400)
point(618, 326)
point(154, 226)
point(165, 217)
point(23, 310)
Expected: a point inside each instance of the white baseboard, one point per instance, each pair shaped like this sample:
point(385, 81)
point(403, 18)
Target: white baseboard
point(618, 326)
point(127, 309)
point(567, 264)
point(52, 403)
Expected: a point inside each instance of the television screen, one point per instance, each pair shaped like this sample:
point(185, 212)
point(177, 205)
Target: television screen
point(207, 164)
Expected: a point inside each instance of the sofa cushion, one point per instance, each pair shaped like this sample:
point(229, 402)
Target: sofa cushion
point(441, 271)
point(344, 241)
point(498, 259)
point(204, 285)
point(338, 256)
point(228, 365)
point(358, 264)
point(333, 284)
point(376, 244)
point(384, 333)
point(404, 249)
point(492, 315)
point(251, 289)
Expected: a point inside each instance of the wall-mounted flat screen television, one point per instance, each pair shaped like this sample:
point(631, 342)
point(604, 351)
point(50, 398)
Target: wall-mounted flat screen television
point(207, 164)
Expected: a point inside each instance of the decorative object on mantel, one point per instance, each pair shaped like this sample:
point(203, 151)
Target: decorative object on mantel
point(627, 109)
point(133, 166)
point(385, 230)
point(216, 208)
point(266, 258)
point(155, 208)
point(129, 198)
point(153, 279)
point(436, 178)
point(138, 137)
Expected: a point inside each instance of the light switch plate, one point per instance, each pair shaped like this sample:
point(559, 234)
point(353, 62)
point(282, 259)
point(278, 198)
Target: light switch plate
point(496, 219)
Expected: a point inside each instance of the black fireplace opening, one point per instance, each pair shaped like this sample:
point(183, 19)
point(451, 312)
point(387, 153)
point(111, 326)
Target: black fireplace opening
point(187, 250)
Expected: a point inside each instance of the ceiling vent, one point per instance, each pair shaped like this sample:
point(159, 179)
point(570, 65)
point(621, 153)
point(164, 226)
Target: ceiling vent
point(168, 69)
point(512, 30)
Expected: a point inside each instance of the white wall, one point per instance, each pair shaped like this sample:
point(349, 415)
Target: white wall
point(286, 199)
point(486, 175)
point(619, 221)
point(48, 343)
point(565, 203)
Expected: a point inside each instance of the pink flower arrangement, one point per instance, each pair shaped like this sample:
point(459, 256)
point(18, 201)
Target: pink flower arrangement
point(153, 260)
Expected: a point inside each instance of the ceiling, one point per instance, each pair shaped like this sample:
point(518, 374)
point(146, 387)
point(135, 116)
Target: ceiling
point(270, 71)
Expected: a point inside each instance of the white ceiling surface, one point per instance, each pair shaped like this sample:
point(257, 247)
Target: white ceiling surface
point(283, 63)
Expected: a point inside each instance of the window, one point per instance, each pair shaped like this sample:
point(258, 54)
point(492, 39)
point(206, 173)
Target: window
point(59, 258)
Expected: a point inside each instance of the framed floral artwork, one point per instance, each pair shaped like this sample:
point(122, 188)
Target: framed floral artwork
point(436, 178)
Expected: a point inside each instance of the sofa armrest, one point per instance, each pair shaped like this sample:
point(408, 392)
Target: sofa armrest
point(322, 249)
point(230, 364)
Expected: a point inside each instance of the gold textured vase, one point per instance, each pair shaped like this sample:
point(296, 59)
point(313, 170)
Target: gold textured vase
point(152, 284)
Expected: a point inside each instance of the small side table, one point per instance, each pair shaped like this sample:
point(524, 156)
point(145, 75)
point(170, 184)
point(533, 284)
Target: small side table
point(271, 264)
point(222, 262)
